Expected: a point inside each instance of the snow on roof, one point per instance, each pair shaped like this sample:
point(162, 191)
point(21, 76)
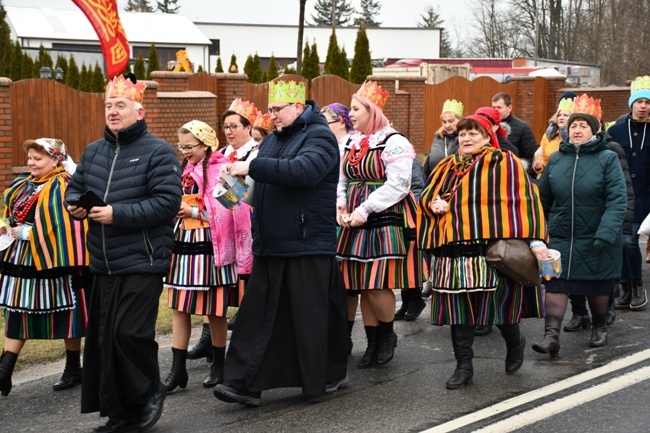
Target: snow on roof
point(72, 25)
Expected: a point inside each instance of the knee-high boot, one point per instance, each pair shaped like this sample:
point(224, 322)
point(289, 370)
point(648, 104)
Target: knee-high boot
point(178, 374)
point(203, 348)
point(216, 369)
point(350, 344)
point(515, 345)
point(72, 371)
point(370, 356)
point(387, 343)
point(7, 364)
point(406, 301)
point(551, 342)
point(462, 339)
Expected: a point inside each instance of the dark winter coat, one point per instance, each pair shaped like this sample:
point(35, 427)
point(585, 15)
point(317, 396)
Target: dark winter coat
point(629, 214)
point(584, 198)
point(522, 137)
point(138, 174)
point(638, 157)
point(296, 173)
point(440, 149)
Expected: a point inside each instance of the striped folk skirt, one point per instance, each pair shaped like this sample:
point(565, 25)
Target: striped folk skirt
point(47, 304)
point(195, 285)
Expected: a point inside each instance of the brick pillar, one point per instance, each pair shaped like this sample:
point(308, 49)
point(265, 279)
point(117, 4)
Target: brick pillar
point(6, 175)
point(171, 81)
point(230, 86)
point(153, 110)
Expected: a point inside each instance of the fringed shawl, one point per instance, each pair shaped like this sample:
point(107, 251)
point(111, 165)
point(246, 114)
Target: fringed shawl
point(493, 200)
point(56, 239)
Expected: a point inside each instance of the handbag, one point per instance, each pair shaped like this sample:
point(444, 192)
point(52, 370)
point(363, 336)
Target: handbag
point(513, 258)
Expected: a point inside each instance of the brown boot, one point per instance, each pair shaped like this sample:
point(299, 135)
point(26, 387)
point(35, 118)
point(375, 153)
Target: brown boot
point(551, 342)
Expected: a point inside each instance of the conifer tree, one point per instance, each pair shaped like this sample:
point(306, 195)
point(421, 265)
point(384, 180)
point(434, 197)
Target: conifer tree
point(289, 70)
point(6, 47)
point(272, 72)
point(361, 63)
point(98, 82)
point(309, 69)
point(265, 76)
point(233, 64)
point(72, 77)
point(315, 60)
point(430, 20)
point(16, 68)
point(138, 69)
point(44, 58)
point(168, 6)
point(152, 64)
point(248, 68)
point(84, 78)
point(332, 54)
point(257, 69)
point(138, 6)
point(61, 62)
point(28, 67)
point(343, 66)
point(200, 69)
point(219, 67)
point(368, 14)
point(323, 17)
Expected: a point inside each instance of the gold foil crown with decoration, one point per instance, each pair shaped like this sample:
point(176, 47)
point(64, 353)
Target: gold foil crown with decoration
point(453, 106)
point(245, 109)
point(284, 92)
point(373, 92)
point(264, 121)
point(121, 87)
point(566, 105)
point(584, 104)
point(640, 83)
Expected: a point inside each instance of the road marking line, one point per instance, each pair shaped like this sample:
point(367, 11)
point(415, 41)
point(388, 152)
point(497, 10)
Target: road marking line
point(569, 402)
point(540, 393)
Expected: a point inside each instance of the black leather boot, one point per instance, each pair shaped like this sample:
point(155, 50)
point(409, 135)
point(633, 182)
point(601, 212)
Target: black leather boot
point(350, 344)
point(401, 311)
point(598, 336)
point(416, 305)
point(7, 364)
point(515, 345)
point(639, 297)
point(178, 375)
point(370, 357)
point(387, 343)
point(482, 330)
point(551, 342)
point(203, 348)
point(71, 373)
point(624, 295)
point(577, 323)
point(231, 322)
point(216, 369)
point(462, 339)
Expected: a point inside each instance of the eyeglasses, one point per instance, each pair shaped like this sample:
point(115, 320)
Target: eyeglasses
point(333, 121)
point(186, 148)
point(232, 127)
point(276, 110)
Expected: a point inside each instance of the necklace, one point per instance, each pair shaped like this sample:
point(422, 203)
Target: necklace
point(188, 181)
point(25, 203)
point(356, 156)
point(460, 172)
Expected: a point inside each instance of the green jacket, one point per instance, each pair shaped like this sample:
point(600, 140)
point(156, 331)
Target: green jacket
point(584, 198)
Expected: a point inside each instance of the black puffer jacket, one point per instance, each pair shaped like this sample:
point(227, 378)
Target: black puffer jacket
point(296, 173)
point(629, 215)
point(138, 174)
point(522, 137)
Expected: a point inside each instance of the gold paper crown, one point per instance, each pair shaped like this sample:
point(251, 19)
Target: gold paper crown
point(583, 104)
point(371, 91)
point(566, 105)
point(264, 121)
point(453, 106)
point(120, 87)
point(290, 92)
point(640, 83)
point(609, 124)
point(245, 109)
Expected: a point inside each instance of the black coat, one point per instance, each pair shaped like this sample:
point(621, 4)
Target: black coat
point(296, 173)
point(629, 215)
point(139, 175)
point(522, 137)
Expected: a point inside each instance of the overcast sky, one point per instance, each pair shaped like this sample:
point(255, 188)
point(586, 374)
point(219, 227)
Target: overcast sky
point(394, 13)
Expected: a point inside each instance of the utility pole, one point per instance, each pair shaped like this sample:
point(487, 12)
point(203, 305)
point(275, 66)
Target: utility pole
point(333, 14)
point(301, 31)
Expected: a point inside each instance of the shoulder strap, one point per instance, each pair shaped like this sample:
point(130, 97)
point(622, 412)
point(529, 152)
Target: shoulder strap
point(391, 135)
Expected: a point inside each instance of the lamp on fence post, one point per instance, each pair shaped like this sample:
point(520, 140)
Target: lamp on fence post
point(45, 73)
point(58, 74)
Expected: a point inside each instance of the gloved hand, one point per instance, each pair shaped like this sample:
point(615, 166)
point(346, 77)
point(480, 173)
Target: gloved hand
point(599, 243)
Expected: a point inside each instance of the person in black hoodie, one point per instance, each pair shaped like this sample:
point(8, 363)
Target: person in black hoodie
point(291, 326)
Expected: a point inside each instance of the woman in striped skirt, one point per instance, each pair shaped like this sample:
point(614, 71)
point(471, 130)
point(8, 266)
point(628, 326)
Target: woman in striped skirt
point(44, 270)
point(478, 194)
point(207, 255)
point(376, 212)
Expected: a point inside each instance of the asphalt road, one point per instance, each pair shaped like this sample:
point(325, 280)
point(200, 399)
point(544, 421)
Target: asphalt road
point(584, 389)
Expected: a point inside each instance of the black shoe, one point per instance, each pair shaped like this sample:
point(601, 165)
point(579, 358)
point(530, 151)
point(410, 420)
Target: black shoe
point(387, 343)
point(150, 413)
point(481, 331)
point(7, 364)
point(639, 297)
point(336, 385)
point(177, 377)
point(370, 356)
point(231, 322)
point(577, 323)
point(230, 394)
point(416, 306)
point(401, 311)
point(203, 348)
point(216, 369)
point(598, 336)
point(622, 301)
point(69, 379)
point(117, 425)
point(427, 288)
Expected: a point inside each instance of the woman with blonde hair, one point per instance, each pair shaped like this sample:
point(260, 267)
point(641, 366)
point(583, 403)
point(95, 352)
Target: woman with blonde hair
point(445, 141)
point(555, 134)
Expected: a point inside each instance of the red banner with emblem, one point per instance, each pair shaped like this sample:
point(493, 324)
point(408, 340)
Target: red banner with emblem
point(105, 19)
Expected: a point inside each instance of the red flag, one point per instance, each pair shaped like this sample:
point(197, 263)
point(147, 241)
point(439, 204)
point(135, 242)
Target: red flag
point(104, 17)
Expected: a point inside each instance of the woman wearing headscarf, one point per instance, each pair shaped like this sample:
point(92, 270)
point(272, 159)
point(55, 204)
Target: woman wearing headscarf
point(211, 244)
point(584, 197)
point(478, 194)
point(338, 118)
point(376, 211)
point(445, 141)
point(44, 271)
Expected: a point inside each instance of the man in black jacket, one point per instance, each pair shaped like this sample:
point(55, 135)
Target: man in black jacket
point(520, 134)
point(130, 239)
point(291, 326)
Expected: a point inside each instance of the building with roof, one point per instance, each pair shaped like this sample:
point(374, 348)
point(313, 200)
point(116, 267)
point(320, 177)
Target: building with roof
point(65, 31)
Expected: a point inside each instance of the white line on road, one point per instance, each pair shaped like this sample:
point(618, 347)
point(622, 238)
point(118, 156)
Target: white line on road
point(540, 393)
